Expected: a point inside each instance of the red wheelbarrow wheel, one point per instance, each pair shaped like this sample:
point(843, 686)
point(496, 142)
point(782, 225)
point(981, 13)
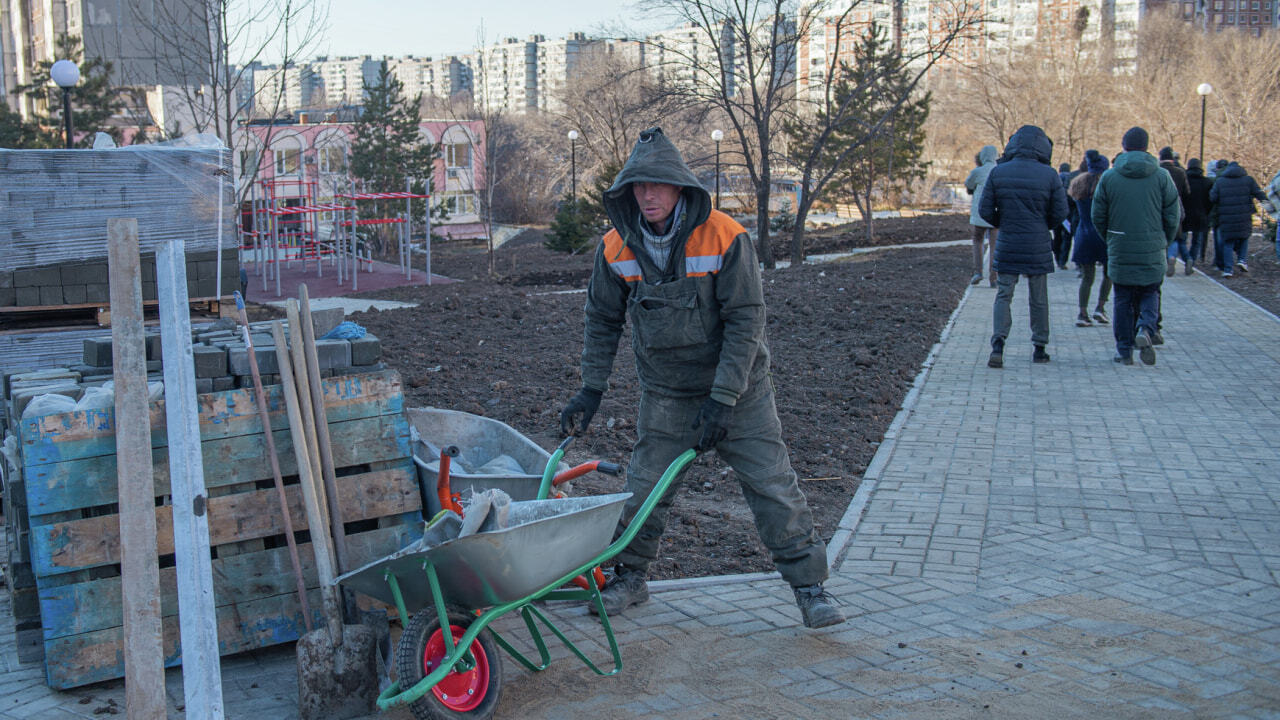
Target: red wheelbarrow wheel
point(469, 693)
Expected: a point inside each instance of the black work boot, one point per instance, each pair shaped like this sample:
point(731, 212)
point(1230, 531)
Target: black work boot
point(996, 359)
point(626, 587)
point(817, 606)
point(1040, 355)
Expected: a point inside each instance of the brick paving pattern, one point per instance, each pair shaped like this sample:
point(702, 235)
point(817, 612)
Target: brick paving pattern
point(1071, 540)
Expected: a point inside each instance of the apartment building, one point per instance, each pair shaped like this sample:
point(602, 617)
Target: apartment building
point(687, 57)
point(451, 75)
point(116, 32)
point(558, 62)
point(340, 80)
point(506, 75)
point(1251, 16)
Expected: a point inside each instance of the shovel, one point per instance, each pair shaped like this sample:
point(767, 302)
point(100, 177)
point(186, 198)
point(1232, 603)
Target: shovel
point(337, 663)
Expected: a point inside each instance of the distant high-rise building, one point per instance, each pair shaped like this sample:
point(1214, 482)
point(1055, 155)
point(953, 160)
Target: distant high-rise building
point(117, 32)
point(558, 62)
point(686, 56)
point(451, 75)
point(506, 75)
point(342, 79)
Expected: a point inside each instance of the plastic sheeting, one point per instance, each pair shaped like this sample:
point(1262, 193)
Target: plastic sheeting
point(54, 204)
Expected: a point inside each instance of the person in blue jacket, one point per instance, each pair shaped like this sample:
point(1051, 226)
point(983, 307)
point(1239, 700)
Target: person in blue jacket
point(1090, 248)
point(1024, 198)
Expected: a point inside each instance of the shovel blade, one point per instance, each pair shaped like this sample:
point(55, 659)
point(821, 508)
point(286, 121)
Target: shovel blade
point(337, 683)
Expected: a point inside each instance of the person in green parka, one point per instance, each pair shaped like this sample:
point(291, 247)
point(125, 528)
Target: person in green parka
point(687, 278)
point(1136, 210)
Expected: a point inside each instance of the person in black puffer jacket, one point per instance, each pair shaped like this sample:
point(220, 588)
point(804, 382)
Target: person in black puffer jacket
point(1197, 206)
point(1061, 233)
point(1025, 199)
point(1233, 193)
point(1179, 247)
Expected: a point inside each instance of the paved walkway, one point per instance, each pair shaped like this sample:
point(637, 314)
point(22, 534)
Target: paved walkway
point(1077, 539)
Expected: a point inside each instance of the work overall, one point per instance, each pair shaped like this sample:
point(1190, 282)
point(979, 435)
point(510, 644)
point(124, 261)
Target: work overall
point(668, 319)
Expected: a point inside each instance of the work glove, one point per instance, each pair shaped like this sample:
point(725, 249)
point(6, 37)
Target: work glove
point(714, 418)
point(581, 408)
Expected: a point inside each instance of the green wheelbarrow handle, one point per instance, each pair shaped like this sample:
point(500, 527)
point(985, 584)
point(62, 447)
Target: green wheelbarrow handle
point(394, 695)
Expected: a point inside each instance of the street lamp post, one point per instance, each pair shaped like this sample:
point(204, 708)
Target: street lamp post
point(573, 166)
point(1204, 90)
point(65, 74)
point(717, 136)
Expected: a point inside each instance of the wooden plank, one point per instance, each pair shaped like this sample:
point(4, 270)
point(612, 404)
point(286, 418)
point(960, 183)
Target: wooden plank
point(231, 413)
point(95, 605)
point(140, 569)
point(91, 482)
point(87, 657)
point(201, 672)
point(91, 542)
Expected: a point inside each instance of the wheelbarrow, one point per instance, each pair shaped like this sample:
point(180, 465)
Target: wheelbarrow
point(456, 451)
point(448, 595)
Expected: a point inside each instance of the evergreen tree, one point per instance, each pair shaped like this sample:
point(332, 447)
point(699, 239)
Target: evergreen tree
point(388, 148)
point(20, 135)
point(572, 230)
point(888, 124)
point(94, 101)
point(578, 225)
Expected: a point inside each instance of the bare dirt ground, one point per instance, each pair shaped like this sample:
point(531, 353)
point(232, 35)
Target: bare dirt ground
point(847, 340)
point(1262, 283)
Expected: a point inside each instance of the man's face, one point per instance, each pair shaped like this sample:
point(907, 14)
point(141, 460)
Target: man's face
point(656, 201)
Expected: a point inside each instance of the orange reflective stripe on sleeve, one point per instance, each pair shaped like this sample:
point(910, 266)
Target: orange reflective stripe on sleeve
point(620, 258)
point(704, 252)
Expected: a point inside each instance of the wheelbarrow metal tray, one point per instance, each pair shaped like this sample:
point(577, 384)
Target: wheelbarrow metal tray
point(544, 540)
point(492, 455)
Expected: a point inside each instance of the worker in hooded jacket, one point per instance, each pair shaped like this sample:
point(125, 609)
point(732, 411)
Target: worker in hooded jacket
point(686, 276)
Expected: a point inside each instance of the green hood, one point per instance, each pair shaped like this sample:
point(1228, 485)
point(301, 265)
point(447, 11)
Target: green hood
point(1136, 164)
point(654, 159)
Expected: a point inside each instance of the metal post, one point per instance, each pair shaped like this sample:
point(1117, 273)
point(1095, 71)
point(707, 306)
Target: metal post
point(1203, 100)
point(717, 174)
point(408, 229)
point(66, 113)
point(573, 170)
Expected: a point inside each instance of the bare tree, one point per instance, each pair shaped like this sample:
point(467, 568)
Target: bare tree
point(212, 47)
point(835, 127)
point(743, 63)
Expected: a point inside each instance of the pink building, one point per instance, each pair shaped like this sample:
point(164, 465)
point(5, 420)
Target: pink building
point(306, 162)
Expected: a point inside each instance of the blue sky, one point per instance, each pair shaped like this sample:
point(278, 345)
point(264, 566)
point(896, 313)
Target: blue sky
point(433, 27)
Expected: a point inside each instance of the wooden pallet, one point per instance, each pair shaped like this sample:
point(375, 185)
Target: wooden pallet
point(70, 472)
point(98, 313)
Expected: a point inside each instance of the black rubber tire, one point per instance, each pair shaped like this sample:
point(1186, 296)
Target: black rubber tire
point(409, 666)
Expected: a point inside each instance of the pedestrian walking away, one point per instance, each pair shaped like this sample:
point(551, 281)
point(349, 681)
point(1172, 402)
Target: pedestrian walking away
point(1136, 210)
point(1025, 199)
point(1090, 249)
point(1062, 232)
point(1233, 194)
point(986, 161)
point(1197, 209)
point(1179, 249)
point(1273, 207)
point(687, 278)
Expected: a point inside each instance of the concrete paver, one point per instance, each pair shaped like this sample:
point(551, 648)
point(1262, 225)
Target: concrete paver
point(1075, 540)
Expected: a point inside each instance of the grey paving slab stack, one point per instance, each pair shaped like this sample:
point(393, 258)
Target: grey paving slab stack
point(57, 202)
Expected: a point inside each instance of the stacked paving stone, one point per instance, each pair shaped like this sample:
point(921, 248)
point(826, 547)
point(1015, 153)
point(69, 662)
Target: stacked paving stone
point(85, 283)
point(57, 203)
point(219, 354)
point(221, 362)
